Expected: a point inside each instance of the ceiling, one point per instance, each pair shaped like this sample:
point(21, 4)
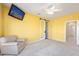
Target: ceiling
point(39, 8)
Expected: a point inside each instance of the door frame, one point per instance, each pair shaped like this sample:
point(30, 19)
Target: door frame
point(65, 28)
point(46, 28)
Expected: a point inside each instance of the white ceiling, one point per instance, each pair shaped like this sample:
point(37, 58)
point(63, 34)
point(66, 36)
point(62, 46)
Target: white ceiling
point(39, 8)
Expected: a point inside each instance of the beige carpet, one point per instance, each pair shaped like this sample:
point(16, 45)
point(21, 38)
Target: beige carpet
point(50, 48)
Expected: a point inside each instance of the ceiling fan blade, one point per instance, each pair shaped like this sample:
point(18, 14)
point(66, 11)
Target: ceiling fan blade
point(53, 7)
point(56, 10)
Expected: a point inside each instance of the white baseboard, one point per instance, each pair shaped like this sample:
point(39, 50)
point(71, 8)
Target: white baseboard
point(58, 40)
point(33, 41)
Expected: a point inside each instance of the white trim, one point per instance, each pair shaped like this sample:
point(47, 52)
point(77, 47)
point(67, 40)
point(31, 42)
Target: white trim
point(65, 27)
point(57, 40)
point(33, 41)
point(42, 36)
point(77, 35)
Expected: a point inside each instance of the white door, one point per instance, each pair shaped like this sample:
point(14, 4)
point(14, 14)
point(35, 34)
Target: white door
point(71, 32)
point(42, 29)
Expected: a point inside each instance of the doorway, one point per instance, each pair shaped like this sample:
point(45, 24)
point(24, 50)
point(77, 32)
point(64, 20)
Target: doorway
point(71, 32)
point(43, 29)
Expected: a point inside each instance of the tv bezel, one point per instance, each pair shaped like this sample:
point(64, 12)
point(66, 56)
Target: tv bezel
point(17, 8)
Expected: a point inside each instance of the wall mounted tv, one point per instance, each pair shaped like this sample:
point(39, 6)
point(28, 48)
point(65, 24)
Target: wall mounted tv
point(16, 12)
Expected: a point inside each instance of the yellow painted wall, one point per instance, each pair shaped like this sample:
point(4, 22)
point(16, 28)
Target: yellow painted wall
point(0, 19)
point(29, 28)
point(49, 29)
point(56, 26)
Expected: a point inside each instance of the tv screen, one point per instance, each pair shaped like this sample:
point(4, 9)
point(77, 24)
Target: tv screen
point(16, 12)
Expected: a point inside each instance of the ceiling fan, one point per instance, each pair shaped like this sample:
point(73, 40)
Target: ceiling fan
point(52, 10)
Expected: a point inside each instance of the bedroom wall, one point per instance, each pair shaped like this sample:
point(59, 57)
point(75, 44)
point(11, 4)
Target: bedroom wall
point(0, 19)
point(28, 29)
point(56, 26)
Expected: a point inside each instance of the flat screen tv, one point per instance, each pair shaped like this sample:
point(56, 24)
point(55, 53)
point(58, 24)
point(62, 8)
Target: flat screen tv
point(16, 12)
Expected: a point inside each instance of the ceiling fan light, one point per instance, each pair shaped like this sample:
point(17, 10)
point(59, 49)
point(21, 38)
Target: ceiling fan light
point(50, 12)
